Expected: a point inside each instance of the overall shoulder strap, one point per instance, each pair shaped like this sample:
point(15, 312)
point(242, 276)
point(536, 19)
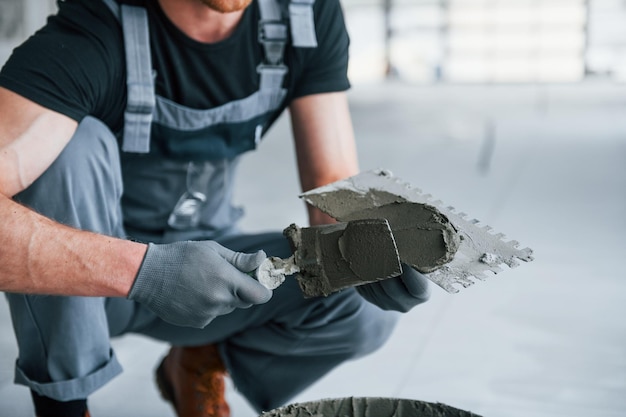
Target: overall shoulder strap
point(140, 83)
point(273, 37)
point(302, 23)
point(141, 99)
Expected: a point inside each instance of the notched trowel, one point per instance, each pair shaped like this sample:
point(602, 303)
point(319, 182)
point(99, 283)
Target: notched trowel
point(332, 257)
point(433, 239)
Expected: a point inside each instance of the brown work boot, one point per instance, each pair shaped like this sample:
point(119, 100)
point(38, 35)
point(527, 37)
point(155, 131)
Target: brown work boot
point(192, 379)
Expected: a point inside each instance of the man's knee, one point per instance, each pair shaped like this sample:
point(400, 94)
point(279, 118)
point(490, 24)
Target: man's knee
point(64, 346)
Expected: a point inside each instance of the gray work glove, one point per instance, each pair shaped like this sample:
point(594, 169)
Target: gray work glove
point(400, 293)
point(191, 283)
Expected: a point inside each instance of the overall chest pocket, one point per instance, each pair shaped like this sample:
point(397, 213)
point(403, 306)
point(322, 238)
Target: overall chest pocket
point(216, 142)
point(215, 134)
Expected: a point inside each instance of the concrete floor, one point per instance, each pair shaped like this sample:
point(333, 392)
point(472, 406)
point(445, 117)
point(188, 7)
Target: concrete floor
point(544, 339)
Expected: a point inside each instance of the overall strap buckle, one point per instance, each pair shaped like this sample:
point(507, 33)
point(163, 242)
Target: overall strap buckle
point(140, 81)
point(273, 37)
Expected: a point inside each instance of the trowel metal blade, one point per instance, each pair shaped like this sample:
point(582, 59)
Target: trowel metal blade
point(478, 252)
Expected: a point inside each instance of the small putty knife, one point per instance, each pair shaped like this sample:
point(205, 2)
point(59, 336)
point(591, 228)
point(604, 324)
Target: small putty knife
point(332, 257)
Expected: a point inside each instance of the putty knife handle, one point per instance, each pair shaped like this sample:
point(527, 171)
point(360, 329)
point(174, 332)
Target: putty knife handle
point(272, 271)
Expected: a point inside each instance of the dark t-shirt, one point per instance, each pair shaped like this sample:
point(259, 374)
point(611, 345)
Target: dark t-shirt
point(75, 64)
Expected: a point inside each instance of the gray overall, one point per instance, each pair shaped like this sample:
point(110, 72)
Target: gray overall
point(173, 181)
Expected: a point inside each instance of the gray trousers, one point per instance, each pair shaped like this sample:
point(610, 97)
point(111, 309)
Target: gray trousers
point(272, 351)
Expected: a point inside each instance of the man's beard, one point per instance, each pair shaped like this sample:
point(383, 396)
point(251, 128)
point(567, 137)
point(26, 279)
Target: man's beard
point(227, 6)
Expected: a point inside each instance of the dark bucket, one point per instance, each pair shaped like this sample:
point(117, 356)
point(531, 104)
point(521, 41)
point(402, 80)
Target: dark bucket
point(368, 407)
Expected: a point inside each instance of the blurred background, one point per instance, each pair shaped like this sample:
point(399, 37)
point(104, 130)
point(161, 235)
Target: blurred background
point(512, 111)
point(491, 41)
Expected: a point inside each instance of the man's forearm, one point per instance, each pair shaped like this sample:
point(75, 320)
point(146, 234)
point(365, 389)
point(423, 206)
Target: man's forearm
point(324, 142)
point(324, 139)
point(40, 256)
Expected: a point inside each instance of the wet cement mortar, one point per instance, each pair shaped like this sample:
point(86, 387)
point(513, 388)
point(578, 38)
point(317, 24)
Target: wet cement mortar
point(425, 239)
point(368, 407)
